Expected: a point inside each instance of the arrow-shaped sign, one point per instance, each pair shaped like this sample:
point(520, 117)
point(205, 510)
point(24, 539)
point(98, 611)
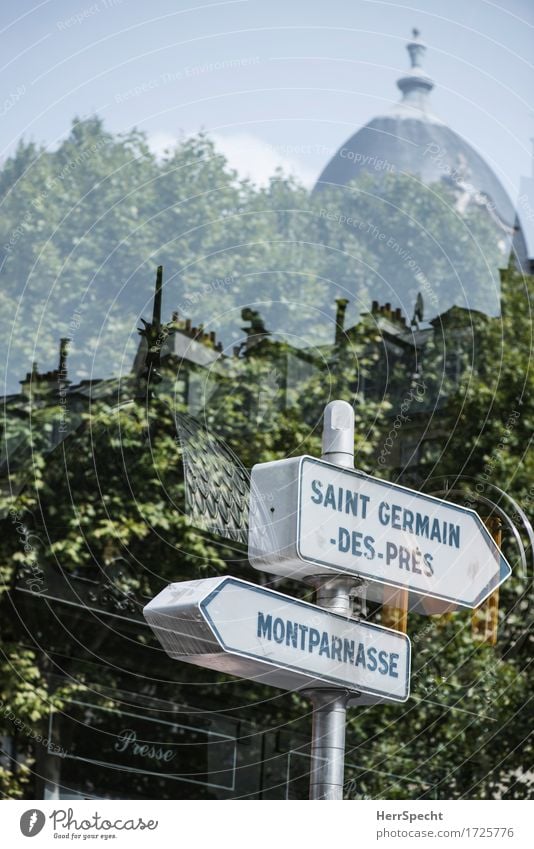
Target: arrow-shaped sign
point(259, 634)
point(309, 517)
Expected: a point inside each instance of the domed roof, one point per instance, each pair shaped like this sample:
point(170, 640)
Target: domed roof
point(410, 139)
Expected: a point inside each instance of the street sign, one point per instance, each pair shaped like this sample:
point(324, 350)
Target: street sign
point(236, 627)
point(312, 518)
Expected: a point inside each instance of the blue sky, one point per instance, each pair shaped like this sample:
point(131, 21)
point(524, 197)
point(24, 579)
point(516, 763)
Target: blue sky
point(275, 81)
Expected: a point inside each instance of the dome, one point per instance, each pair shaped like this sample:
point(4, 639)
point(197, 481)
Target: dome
point(412, 244)
point(410, 139)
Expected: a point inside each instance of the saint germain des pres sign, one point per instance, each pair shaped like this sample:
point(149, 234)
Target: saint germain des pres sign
point(309, 518)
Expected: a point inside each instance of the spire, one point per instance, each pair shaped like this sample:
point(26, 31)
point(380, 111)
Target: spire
point(415, 84)
point(155, 333)
point(416, 49)
point(156, 310)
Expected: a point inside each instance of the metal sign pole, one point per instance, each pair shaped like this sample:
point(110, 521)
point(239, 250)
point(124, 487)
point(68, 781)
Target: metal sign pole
point(333, 594)
point(328, 744)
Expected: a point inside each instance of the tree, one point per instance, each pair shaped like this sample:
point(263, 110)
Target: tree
point(464, 736)
point(82, 229)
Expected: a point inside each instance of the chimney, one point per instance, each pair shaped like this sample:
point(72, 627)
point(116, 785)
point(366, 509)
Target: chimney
point(62, 364)
point(340, 319)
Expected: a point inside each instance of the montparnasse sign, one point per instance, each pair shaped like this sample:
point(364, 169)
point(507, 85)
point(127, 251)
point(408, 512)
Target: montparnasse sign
point(257, 633)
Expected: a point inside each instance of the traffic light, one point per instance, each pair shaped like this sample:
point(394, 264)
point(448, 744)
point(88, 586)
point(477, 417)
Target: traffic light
point(395, 609)
point(485, 619)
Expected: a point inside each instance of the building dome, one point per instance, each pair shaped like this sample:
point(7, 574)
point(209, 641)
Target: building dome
point(410, 139)
point(414, 245)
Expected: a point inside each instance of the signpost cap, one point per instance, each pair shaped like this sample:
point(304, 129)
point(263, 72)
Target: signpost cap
point(338, 433)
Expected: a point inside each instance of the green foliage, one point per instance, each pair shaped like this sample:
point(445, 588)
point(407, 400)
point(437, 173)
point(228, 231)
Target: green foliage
point(82, 229)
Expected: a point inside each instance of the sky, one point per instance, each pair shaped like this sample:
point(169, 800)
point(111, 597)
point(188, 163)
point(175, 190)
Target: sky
point(275, 82)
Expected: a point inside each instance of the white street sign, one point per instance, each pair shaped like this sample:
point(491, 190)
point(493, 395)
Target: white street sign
point(309, 518)
point(259, 634)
